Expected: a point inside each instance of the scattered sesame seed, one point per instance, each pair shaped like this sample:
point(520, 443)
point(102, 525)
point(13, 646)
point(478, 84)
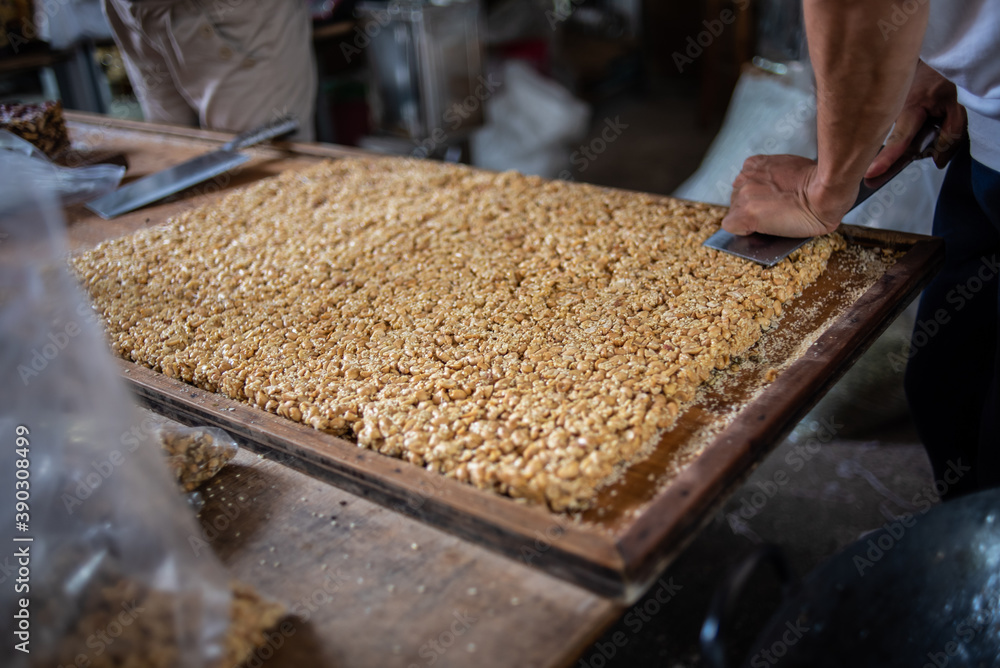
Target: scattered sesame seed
point(472, 591)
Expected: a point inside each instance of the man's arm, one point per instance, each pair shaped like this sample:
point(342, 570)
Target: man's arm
point(862, 79)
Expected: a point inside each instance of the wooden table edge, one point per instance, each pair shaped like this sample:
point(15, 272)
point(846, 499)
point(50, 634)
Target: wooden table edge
point(318, 149)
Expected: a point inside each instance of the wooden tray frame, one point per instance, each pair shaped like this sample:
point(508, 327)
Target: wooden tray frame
point(621, 564)
point(618, 559)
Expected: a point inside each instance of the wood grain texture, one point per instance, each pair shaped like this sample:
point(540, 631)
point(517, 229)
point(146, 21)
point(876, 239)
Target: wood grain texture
point(642, 520)
point(530, 534)
point(370, 587)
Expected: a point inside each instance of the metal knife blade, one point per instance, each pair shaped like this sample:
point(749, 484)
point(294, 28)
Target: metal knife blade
point(156, 186)
point(765, 249)
point(769, 250)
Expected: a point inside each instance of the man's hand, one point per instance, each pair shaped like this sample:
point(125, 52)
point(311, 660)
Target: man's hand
point(780, 194)
point(931, 95)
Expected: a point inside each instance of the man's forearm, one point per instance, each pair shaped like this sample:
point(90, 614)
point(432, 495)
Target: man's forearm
point(862, 79)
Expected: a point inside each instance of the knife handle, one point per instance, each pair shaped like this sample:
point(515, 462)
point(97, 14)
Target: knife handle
point(276, 128)
point(920, 147)
point(924, 141)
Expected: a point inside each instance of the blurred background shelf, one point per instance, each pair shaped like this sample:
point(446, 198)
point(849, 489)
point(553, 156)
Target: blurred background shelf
point(615, 55)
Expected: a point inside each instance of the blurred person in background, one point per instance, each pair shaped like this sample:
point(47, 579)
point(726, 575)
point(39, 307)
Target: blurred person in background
point(226, 65)
point(883, 65)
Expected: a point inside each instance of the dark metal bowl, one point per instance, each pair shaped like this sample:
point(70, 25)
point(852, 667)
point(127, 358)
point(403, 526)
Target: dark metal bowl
point(923, 591)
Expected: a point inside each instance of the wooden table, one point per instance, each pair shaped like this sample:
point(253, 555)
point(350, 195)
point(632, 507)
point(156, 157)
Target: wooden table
point(297, 537)
point(372, 587)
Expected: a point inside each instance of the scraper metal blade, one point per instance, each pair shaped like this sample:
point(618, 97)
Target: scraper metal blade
point(154, 187)
point(765, 249)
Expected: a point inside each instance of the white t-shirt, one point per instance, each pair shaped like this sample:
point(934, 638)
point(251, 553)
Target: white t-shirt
point(963, 44)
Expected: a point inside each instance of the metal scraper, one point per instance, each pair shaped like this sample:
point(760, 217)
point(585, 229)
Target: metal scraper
point(156, 186)
point(769, 250)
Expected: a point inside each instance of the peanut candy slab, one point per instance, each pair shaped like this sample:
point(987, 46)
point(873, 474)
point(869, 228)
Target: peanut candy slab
point(525, 336)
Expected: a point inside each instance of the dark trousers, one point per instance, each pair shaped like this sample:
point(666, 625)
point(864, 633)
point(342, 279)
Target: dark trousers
point(953, 379)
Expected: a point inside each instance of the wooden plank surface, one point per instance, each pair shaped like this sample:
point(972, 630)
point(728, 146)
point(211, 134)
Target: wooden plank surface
point(384, 603)
point(371, 587)
point(525, 533)
point(640, 522)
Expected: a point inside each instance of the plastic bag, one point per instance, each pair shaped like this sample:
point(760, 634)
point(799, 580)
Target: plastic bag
point(531, 124)
point(71, 185)
point(766, 116)
point(102, 550)
point(195, 454)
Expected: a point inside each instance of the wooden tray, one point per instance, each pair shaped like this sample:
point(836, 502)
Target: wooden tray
point(639, 523)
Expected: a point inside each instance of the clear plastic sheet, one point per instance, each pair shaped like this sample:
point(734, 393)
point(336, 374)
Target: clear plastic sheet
point(104, 568)
point(70, 185)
